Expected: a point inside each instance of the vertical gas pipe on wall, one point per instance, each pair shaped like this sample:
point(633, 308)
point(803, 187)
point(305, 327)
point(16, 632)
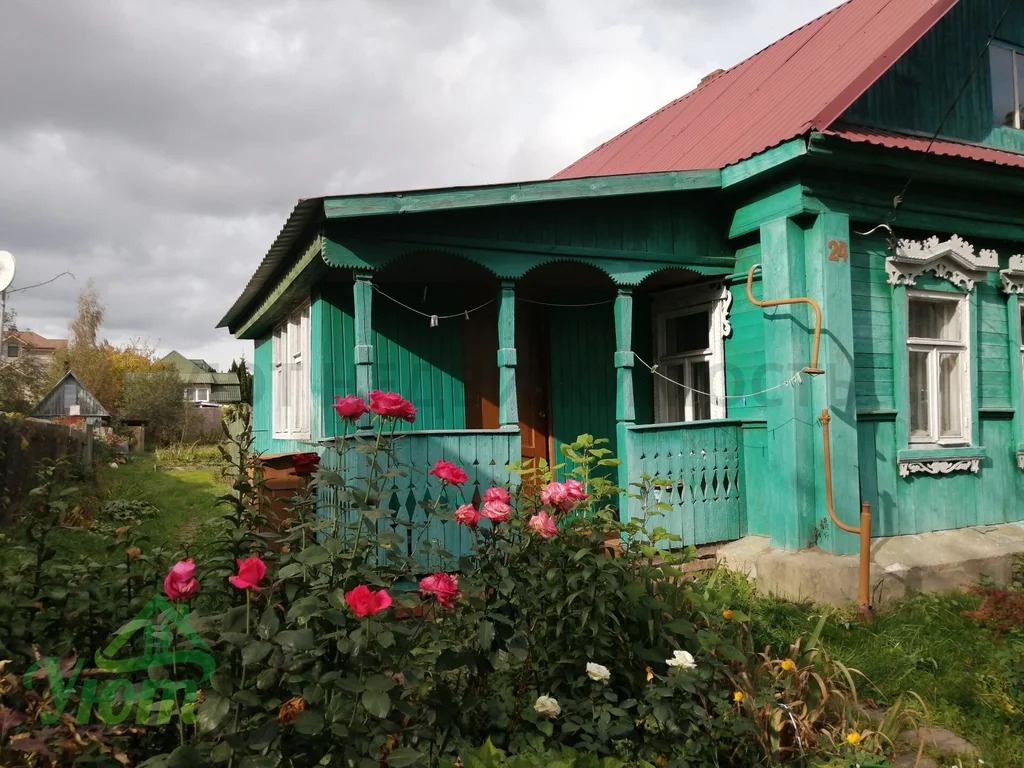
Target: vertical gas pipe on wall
point(864, 531)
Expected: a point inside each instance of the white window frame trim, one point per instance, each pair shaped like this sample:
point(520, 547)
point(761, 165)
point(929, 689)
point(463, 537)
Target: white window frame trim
point(716, 300)
point(934, 347)
point(290, 388)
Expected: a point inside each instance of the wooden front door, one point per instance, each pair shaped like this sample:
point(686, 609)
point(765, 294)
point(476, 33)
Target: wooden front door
point(533, 377)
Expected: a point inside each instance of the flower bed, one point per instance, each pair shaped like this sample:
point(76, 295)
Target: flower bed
point(286, 647)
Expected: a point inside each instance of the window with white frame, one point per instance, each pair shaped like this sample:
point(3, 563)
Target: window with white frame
point(1007, 69)
point(197, 394)
point(689, 326)
point(938, 365)
point(291, 383)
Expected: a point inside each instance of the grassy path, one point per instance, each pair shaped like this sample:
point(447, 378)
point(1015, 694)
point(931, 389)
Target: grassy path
point(185, 498)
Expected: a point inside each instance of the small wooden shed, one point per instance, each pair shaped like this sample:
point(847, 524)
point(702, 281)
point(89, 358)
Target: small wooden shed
point(70, 398)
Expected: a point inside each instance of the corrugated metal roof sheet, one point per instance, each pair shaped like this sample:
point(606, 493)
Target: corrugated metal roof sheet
point(804, 81)
point(945, 147)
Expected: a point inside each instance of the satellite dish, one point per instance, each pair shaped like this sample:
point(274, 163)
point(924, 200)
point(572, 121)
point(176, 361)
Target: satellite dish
point(6, 269)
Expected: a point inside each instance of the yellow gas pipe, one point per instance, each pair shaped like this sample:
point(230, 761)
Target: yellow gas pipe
point(864, 531)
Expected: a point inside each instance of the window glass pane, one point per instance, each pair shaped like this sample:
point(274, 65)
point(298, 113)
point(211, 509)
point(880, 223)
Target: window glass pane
point(1003, 107)
point(700, 379)
point(687, 333)
point(918, 370)
point(934, 319)
point(950, 424)
point(674, 395)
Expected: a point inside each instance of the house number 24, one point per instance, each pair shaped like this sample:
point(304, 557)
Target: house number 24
point(838, 250)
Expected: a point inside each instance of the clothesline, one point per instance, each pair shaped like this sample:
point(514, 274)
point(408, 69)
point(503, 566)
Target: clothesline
point(796, 378)
point(435, 319)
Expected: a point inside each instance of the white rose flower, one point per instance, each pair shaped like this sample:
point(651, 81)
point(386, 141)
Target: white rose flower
point(598, 672)
point(547, 706)
point(681, 659)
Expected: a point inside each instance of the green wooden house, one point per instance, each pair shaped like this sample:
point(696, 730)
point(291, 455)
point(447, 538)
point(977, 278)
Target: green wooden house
point(872, 160)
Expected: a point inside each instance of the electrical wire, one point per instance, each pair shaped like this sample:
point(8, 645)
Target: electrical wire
point(432, 317)
point(37, 285)
point(565, 306)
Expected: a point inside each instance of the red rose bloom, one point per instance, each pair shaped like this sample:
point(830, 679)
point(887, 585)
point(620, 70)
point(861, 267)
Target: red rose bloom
point(180, 583)
point(448, 472)
point(305, 464)
point(349, 407)
point(496, 511)
point(442, 586)
point(250, 571)
point(364, 602)
point(391, 405)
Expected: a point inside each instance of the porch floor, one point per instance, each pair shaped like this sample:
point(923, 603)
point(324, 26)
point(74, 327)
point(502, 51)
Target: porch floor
point(928, 562)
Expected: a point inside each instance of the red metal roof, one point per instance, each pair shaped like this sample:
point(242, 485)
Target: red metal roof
point(804, 81)
point(894, 140)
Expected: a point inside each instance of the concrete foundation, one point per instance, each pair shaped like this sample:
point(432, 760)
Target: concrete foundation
point(929, 562)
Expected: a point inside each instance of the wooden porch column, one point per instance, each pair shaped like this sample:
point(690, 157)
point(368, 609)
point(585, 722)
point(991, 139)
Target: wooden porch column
point(827, 270)
point(362, 323)
point(788, 499)
point(508, 405)
point(625, 410)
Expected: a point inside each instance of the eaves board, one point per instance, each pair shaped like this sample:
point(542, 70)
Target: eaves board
point(456, 198)
point(289, 290)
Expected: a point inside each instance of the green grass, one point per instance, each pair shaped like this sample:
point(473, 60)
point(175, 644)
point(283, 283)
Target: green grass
point(188, 455)
point(922, 644)
point(185, 499)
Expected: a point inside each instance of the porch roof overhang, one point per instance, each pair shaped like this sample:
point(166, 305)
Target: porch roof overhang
point(290, 260)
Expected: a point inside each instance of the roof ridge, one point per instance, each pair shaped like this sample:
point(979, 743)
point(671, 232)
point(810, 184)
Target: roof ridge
point(703, 85)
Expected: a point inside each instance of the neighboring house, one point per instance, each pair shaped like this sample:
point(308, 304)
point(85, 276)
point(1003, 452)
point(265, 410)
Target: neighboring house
point(69, 399)
point(18, 344)
point(203, 384)
point(517, 316)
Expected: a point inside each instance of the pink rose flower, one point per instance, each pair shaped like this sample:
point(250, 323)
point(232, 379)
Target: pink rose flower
point(543, 525)
point(391, 405)
point(250, 571)
point(365, 602)
point(305, 464)
point(574, 490)
point(497, 493)
point(442, 586)
point(448, 472)
point(180, 583)
point(496, 511)
point(556, 495)
point(349, 407)
point(467, 515)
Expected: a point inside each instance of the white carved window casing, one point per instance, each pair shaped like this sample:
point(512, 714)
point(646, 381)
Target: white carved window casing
point(291, 382)
point(690, 325)
point(953, 260)
point(938, 368)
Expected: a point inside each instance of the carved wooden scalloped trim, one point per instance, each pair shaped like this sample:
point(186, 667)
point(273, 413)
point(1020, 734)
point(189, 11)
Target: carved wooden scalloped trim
point(939, 466)
point(1013, 278)
point(953, 260)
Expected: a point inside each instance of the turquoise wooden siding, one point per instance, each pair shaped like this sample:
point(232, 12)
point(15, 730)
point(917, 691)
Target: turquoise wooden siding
point(924, 503)
point(643, 345)
point(582, 373)
point(745, 362)
point(993, 360)
point(336, 350)
point(701, 463)
point(916, 92)
point(872, 325)
point(421, 363)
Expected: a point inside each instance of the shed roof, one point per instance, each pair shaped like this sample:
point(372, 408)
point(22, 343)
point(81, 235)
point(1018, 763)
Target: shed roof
point(894, 140)
point(804, 81)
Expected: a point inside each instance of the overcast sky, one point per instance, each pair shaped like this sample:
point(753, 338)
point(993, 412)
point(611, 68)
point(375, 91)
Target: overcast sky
point(159, 147)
